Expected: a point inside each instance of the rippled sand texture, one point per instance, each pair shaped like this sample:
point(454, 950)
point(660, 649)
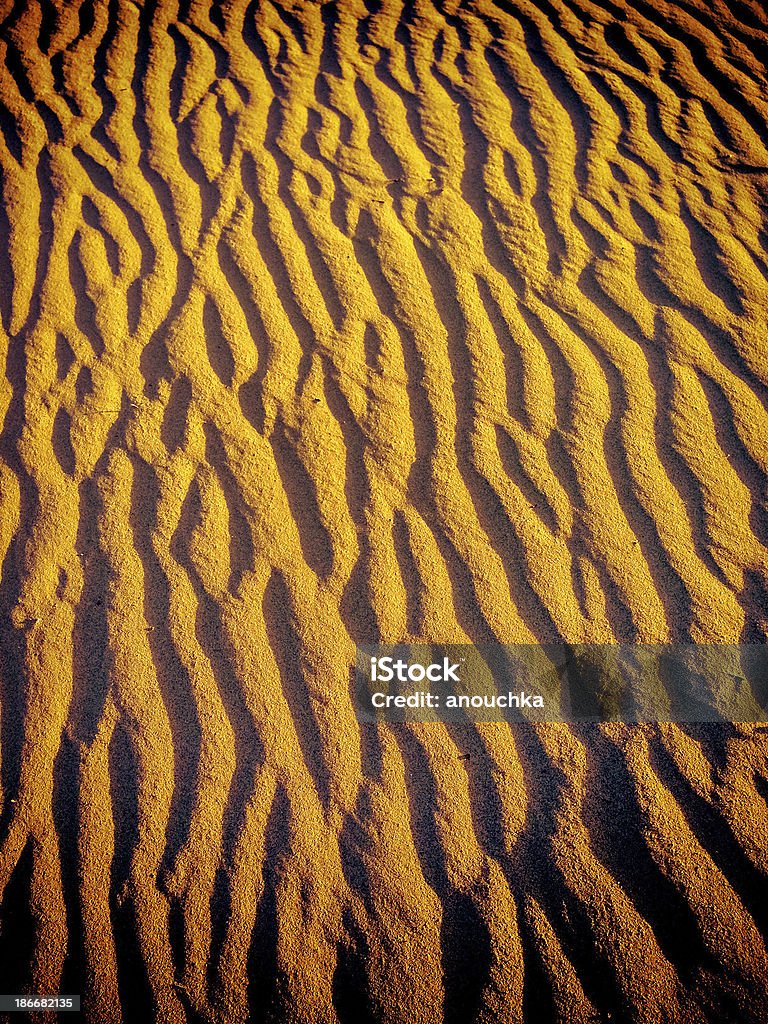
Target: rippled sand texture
point(330, 322)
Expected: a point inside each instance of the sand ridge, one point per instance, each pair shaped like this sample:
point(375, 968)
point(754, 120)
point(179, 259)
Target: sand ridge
point(325, 323)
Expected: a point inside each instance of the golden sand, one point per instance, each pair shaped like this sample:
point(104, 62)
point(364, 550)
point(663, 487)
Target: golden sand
point(330, 323)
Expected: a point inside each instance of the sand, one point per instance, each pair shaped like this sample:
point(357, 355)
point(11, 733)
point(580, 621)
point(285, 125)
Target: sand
point(325, 324)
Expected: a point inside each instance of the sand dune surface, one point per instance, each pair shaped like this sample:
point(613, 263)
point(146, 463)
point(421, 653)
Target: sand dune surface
point(333, 323)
